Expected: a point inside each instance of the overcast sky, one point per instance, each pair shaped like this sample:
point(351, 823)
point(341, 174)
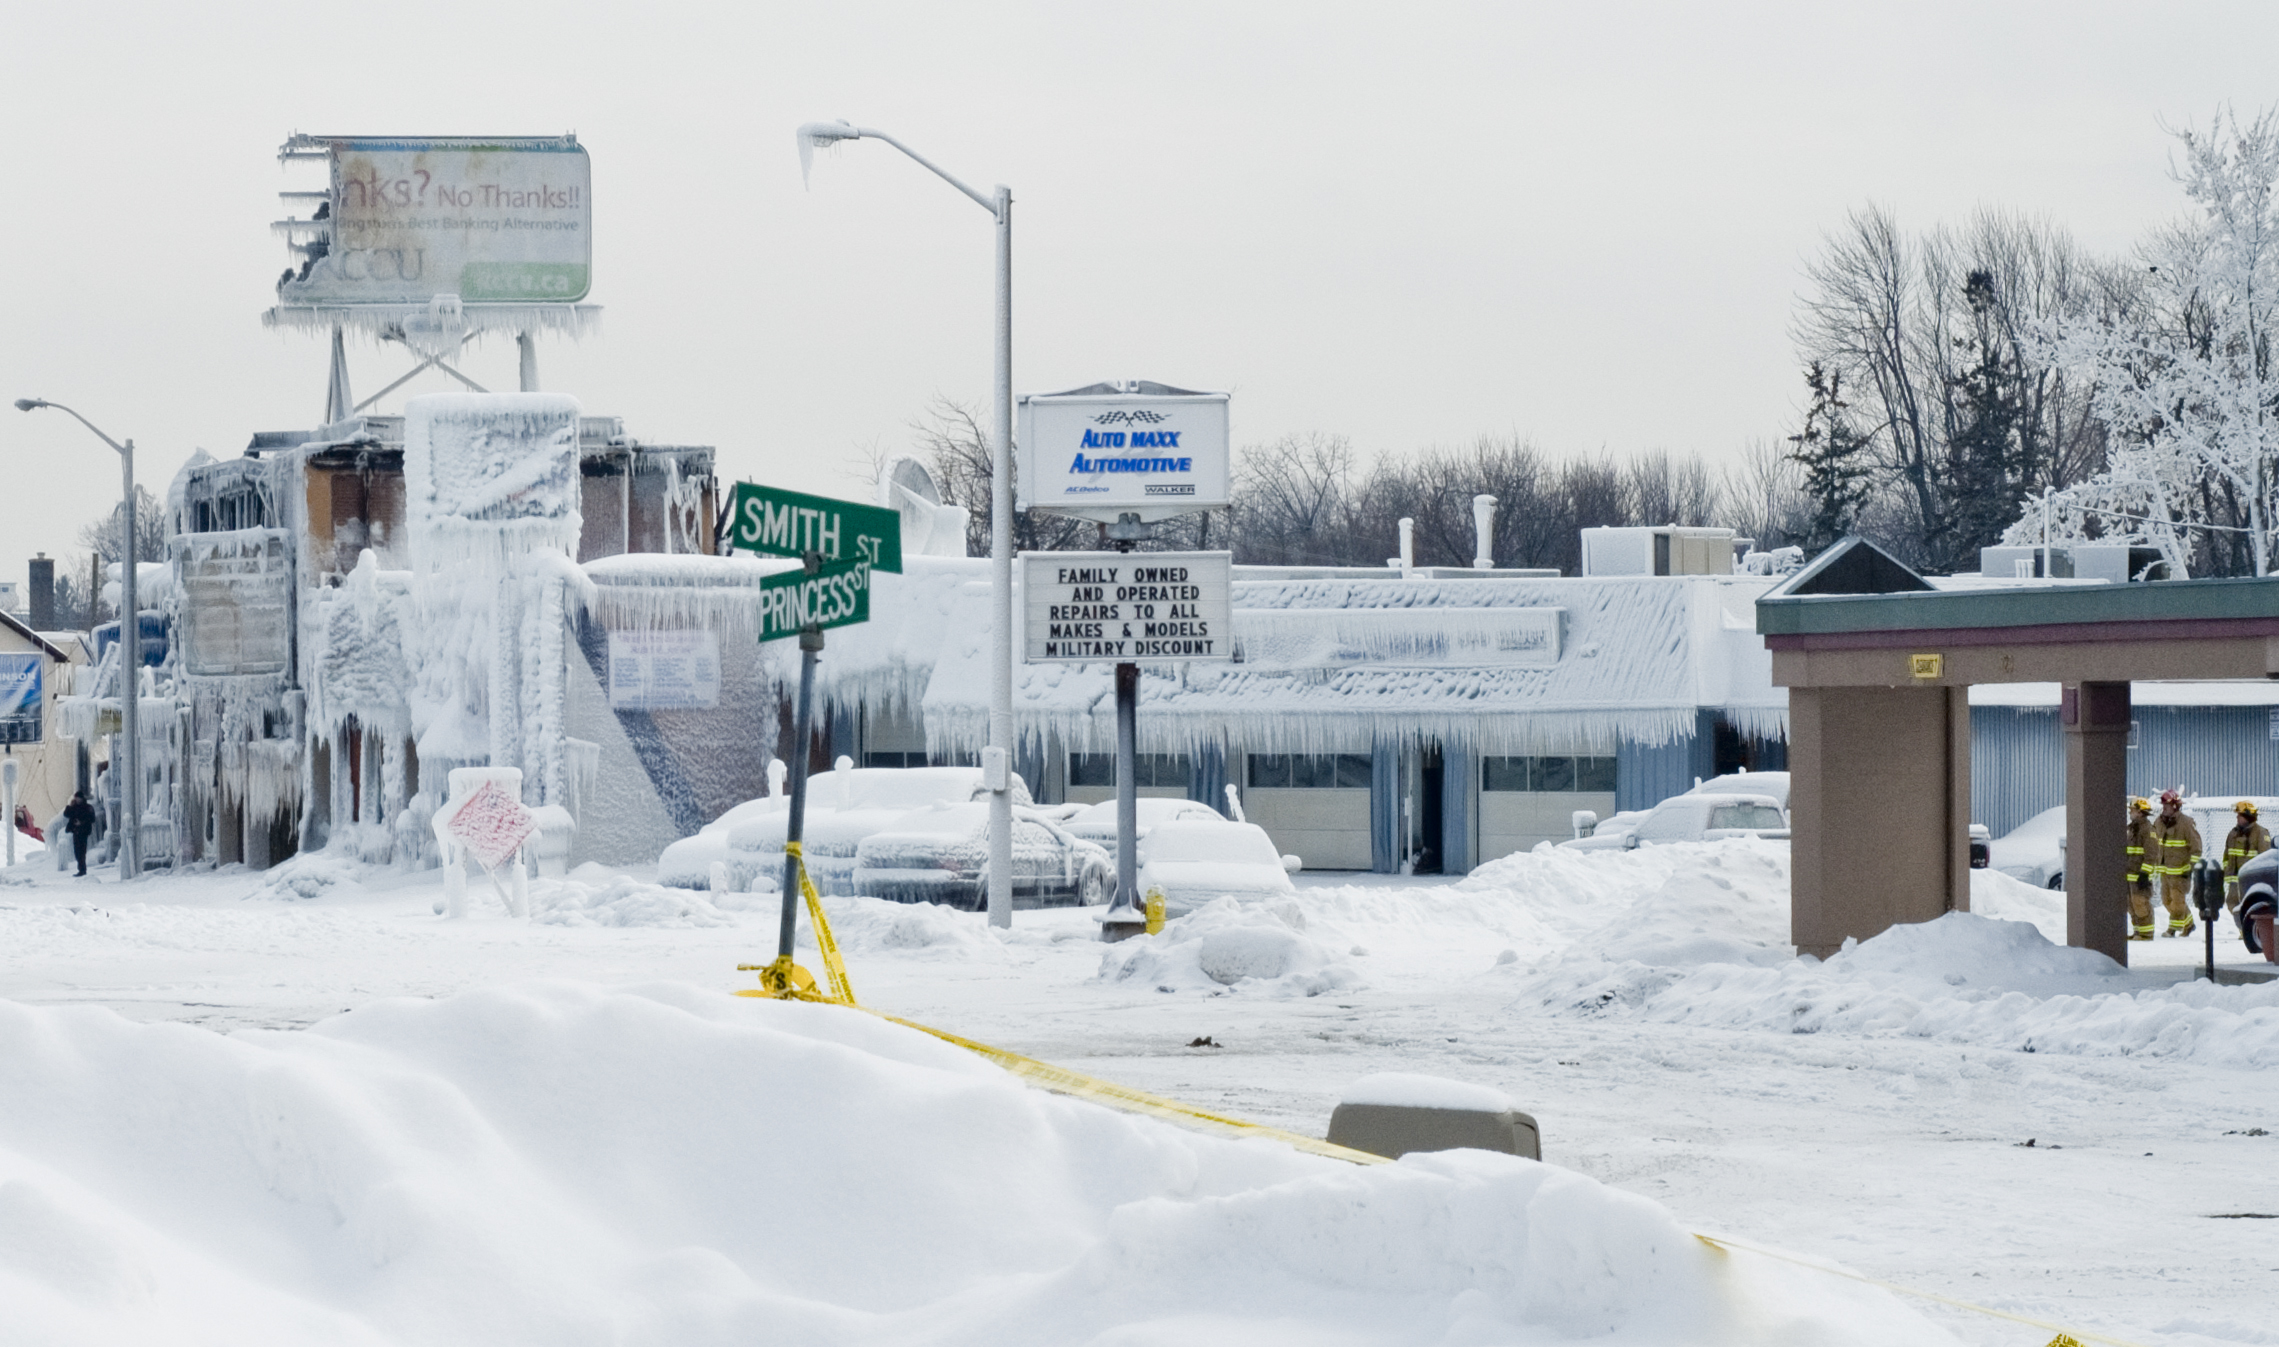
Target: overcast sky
point(1410, 224)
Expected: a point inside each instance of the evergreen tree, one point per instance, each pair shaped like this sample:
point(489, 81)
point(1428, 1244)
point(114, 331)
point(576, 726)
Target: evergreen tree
point(1987, 468)
point(1834, 456)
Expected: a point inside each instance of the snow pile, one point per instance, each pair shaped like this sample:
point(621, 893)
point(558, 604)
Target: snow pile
point(874, 925)
point(594, 895)
point(309, 875)
point(557, 1164)
point(1696, 935)
point(1249, 946)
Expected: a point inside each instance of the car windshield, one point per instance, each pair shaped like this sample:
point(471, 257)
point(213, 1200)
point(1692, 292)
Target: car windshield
point(1230, 844)
point(1746, 816)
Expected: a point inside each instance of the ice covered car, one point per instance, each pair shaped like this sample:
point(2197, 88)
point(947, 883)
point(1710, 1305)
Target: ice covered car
point(1097, 822)
point(1194, 862)
point(2034, 851)
point(1695, 818)
point(1774, 784)
point(940, 854)
point(843, 807)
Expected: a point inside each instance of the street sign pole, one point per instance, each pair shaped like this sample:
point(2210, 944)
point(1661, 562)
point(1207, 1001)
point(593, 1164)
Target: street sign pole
point(810, 646)
point(1127, 796)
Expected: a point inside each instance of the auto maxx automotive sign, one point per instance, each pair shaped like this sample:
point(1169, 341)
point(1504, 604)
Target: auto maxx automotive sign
point(1127, 607)
point(1115, 449)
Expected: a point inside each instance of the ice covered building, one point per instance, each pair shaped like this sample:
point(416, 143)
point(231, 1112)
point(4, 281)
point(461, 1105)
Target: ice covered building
point(360, 608)
point(1371, 720)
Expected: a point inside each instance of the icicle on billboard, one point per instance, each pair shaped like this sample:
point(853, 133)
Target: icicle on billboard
point(407, 219)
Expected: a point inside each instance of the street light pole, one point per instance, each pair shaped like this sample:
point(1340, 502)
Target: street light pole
point(997, 759)
point(130, 653)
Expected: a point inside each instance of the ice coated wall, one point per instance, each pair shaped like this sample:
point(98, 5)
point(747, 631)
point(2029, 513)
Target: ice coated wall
point(491, 504)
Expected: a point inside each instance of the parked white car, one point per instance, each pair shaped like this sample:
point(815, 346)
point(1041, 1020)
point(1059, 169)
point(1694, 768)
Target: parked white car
point(940, 854)
point(1694, 818)
point(1193, 862)
point(843, 807)
point(2034, 851)
point(1097, 822)
point(1774, 784)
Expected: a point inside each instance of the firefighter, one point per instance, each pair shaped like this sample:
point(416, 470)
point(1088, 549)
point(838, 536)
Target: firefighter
point(2247, 840)
point(2179, 841)
point(2141, 837)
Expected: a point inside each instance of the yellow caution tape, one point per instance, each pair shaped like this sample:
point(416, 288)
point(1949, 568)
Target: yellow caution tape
point(785, 980)
point(2066, 1337)
point(1061, 1080)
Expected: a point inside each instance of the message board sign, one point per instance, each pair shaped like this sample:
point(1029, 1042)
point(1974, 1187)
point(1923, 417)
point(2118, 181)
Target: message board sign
point(782, 523)
point(663, 670)
point(1100, 453)
point(1127, 607)
point(496, 220)
point(835, 596)
point(20, 697)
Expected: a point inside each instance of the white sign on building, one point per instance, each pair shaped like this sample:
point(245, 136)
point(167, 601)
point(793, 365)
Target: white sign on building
point(1127, 607)
point(1115, 449)
point(663, 670)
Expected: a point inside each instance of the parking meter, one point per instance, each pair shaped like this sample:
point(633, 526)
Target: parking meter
point(2208, 889)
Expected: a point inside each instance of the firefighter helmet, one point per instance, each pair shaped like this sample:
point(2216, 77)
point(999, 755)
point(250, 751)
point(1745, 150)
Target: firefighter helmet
point(2170, 798)
point(2246, 807)
point(2141, 803)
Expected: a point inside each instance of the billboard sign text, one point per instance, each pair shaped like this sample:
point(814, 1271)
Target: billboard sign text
point(491, 221)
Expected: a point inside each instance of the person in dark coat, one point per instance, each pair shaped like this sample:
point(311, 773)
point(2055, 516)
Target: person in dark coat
point(79, 820)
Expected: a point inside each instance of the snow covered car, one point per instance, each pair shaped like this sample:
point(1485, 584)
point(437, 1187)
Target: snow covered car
point(1194, 862)
point(1694, 818)
point(940, 854)
point(1774, 784)
point(1097, 822)
point(843, 807)
point(2034, 851)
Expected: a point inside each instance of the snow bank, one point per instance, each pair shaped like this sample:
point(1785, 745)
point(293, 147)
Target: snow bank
point(309, 875)
point(1247, 946)
point(557, 1164)
point(1697, 934)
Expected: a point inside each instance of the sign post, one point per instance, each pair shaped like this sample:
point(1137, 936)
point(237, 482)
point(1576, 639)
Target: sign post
point(1131, 608)
point(840, 545)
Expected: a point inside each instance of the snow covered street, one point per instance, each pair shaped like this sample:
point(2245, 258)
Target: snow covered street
point(1875, 1110)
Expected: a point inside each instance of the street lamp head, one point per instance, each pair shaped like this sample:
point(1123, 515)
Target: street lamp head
point(825, 134)
point(27, 404)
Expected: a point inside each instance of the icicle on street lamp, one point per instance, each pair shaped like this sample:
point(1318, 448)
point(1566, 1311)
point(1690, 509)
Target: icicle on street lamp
point(130, 653)
point(997, 759)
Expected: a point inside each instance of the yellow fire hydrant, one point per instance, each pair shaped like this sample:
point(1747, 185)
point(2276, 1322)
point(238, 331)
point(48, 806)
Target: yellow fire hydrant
point(1154, 911)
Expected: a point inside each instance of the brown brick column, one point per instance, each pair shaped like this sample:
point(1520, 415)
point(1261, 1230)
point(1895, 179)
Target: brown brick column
point(1879, 807)
point(2095, 717)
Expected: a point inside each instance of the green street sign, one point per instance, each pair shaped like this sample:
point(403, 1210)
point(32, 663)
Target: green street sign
point(792, 524)
point(836, 596)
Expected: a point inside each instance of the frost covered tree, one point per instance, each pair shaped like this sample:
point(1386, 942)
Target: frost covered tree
point(1930, 334)
point(2186, 381)
point(1833, 456)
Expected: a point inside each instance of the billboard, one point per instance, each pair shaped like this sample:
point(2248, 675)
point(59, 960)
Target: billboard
point(20, 702)
point(1114, 449)
point(409, 218)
